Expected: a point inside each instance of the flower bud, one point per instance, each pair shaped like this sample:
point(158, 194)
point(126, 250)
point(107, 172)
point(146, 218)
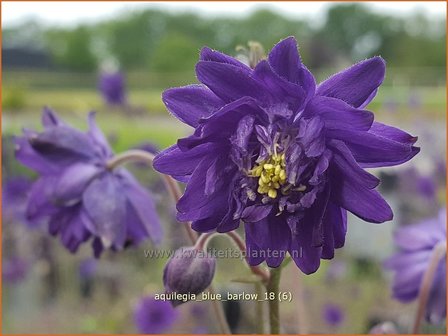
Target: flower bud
point(189, 271)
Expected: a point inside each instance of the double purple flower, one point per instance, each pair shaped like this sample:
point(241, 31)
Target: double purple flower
point(282, 155)
point(416, 244)
point(77, 191)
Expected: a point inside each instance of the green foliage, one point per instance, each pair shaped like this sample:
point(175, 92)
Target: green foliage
point(73, 48)
point(174, 53)
point(160, 40)
point(13, 98)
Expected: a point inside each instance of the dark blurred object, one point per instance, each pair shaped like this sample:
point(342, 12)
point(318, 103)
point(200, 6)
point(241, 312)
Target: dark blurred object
point(21, 57)
point(365, 268)
point(232, 310)
point(87, 270)
point(389, 181)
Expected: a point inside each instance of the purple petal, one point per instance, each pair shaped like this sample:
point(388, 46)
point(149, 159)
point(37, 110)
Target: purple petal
point(363, 202)
point(50, 118)
point(290, 96)
point(73, 181)
point(26, 155)
point(40, 199)
point(336, 114)
point(191, 103)
point(63, 145)
point(375, 149)
point(98, 136)
point(105, 204)
point(285, 59)
point(306, 256)
point(208, 54)
point(256, 213)
point(172, 161)
point(355, 85)
point(273, 237)
point(343, 158)
point(144, 206)
point(230, 82)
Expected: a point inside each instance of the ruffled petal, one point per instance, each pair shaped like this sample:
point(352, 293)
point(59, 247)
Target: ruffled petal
point(273, 237)
point(98, 136)
point(305, 256)
point(357, 84)
point(73, 181)
point(50, 118)
point(180, 164)
point(143, 205)
point(338, 115)
point(367, 204)
point(343, 158)
point(63, 145)
point(230, 82)
point(208, 54)
point(378, 149)
point(191, 103)
point(105, 204)
point(40, 198)
point(26, 155)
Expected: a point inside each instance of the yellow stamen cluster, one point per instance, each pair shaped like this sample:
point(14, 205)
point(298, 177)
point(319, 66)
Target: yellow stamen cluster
point(271, 174)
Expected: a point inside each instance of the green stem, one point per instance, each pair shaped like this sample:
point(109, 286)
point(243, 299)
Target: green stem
point(273, 287)
point(260, 311)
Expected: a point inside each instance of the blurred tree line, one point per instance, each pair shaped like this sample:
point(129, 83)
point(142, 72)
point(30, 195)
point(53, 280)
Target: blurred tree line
point(169, 42)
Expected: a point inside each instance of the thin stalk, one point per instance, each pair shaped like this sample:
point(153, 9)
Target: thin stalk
point(136, 155)
point(273, 287)
point(428, 278)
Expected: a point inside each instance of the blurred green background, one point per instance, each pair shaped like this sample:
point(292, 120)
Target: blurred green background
point(57, 65)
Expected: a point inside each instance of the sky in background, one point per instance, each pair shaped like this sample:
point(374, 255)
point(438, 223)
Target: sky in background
point(70, 13)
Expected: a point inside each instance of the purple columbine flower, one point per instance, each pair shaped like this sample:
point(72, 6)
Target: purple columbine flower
point(112, 88)
point(416, 244)
point(333, 314)
point(14, 195)
point(189, 271)
point(153, 316)
point(79, 194)
point(14, 270)
point(283, 156)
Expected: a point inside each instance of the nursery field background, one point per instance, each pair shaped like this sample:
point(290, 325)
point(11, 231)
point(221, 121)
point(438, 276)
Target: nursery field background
point(47, 290)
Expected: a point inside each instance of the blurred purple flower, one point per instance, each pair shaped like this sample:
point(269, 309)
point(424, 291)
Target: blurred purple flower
point(333, 314)
point(14, 196)
point(415, 100)
point(335, 271)
point(286, 158)
point(152, 316)
point(416, 244)
point(14, 270)
point(79, 194)
point(112, 88)
point(413, 183)
point(87, 268)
